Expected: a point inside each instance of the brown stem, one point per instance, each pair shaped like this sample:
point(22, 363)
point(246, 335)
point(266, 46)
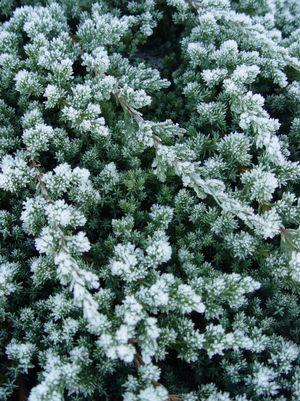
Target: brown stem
point(138, 360)
point(132, 341)
point(137, 116)
point(39, 178)
point(173, 397)
point(134, 113)
point(22, 389)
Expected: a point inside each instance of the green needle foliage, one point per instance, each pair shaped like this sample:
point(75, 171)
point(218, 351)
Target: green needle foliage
point(149, 218)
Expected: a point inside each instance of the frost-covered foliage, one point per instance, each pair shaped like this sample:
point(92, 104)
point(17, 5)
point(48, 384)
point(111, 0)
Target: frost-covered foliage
point(149, 219)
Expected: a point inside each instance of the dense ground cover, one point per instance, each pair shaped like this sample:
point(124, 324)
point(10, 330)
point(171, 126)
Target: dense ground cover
point(149, 213)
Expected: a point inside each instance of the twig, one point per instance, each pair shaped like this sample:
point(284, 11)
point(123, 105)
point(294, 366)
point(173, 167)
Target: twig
point(22, 389)
point(138, 360)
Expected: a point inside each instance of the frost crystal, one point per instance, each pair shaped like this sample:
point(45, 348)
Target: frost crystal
point(149, 218)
